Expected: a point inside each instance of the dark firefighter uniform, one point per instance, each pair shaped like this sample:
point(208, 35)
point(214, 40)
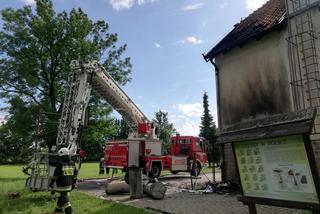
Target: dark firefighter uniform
point(65, 176)
point(101, 166)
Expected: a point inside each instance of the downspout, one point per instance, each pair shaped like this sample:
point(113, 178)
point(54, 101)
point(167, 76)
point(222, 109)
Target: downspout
point(217, 92)
point(216, 69)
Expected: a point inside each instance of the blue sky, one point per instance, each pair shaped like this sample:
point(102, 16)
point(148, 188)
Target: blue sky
point(166, 39)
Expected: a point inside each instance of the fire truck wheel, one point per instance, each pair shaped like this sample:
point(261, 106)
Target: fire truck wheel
point(196, 168)
point(126, 177)
point(155, 171)
point(175, 172)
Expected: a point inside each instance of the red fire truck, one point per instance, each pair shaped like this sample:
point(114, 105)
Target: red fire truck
point(142, 151)
point(187, 154)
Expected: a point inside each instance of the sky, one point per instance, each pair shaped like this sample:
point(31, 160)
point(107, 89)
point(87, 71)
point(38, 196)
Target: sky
point(166, 40)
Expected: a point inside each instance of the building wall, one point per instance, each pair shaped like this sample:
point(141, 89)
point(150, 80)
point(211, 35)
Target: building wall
point(315, 13)
point(305, 59)
point(228, 166)
point(254, 82)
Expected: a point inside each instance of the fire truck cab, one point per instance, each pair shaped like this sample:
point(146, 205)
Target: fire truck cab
point(191, 147)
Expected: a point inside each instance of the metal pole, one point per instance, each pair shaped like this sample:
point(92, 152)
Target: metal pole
point(252, 208)
point(37, 131)
point(213, 165)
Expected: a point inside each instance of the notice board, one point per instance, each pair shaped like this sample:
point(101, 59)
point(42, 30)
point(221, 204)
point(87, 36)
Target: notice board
point(276, 168)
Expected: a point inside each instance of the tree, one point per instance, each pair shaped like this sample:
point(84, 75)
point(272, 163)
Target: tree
point(100, 128)
point(208, 131)
point(166, 129)
point(36, 48)
point(123, 130)
point(12, 148)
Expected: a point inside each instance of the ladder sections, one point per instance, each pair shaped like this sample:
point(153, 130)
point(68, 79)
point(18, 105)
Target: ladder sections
point(108, 88)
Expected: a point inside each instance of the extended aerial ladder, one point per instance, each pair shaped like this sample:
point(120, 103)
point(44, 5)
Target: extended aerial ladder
point(84, 77)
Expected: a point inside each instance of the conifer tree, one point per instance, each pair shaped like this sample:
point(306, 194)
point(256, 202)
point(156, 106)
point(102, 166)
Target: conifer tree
point(208, 131)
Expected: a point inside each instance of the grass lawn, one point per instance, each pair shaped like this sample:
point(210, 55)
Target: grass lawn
point(91, 170)
point(12, 180)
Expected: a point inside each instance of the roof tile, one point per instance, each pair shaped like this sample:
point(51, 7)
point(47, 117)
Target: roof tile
point(261, 21)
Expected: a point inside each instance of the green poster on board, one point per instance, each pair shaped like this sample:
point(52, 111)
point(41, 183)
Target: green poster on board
point(276, 168)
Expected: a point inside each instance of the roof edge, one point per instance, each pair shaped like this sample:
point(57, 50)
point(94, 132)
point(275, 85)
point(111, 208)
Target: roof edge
point(210, 55)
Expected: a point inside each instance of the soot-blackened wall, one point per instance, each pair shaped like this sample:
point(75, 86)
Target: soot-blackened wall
point(254, 82)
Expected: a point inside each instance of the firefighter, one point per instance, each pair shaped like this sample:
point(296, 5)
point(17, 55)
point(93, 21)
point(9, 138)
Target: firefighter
point(101, 166)
point(65, 176)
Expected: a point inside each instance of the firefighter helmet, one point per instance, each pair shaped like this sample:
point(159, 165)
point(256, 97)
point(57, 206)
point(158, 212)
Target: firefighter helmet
point(63, 151)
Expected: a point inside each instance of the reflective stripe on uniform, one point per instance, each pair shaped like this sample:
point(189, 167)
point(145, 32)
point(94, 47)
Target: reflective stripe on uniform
point(67, 205)
point(68, 170)
point(63, 189)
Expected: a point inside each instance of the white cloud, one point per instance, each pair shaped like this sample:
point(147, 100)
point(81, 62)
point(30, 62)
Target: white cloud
point(140, 97)
point(185, 125)
point(223, 5)
point(187, 118)
point(126, 4)
point(122, 4)
point(191, 110)
point(189, 128)
point(140, 2)
point(29, 2)
point(191, 40)
point(195, 6)
point(157, 45)
point(254, 4)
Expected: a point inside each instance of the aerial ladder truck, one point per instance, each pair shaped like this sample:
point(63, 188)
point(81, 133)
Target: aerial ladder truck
point(83, 78)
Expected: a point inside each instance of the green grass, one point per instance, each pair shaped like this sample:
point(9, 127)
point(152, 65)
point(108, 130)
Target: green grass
point(91, 170)
point(13, 180)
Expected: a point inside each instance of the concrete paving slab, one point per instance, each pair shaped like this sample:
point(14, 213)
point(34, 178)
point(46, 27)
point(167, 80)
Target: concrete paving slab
point(180, 200)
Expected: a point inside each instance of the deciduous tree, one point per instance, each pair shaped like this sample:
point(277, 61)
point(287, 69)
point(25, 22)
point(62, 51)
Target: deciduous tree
point(123, 130)
point(36, 48)
point(166, 129)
